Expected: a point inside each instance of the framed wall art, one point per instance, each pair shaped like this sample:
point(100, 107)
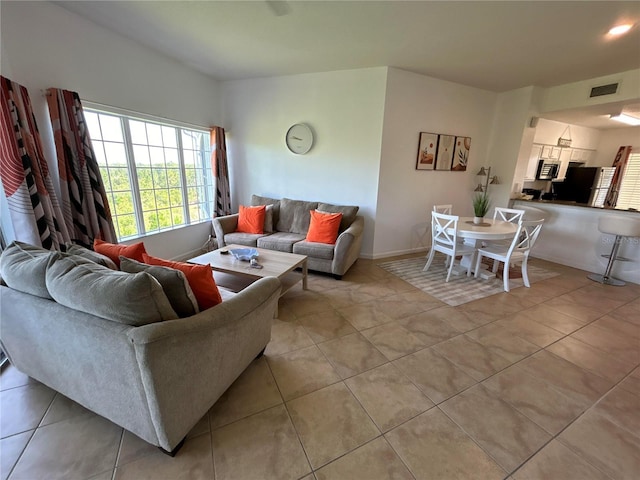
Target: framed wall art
point(461, 154)
point(437, 151)
point(427, 151)
point(445, 152)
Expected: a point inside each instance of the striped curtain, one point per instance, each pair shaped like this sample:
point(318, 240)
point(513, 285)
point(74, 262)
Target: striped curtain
point(220, 172)
point(620, 162)
point(84, 201)
point(33, 206)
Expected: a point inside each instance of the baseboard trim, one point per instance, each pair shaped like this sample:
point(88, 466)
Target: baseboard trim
point(395, 253)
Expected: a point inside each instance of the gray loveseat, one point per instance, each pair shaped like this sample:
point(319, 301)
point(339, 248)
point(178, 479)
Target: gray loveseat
point(156, 379)
point(285, 229)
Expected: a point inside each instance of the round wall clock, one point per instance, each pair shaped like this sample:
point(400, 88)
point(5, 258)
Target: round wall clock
point(299, 138)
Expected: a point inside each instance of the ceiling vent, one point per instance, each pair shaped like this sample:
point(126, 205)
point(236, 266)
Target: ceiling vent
point(609, 89)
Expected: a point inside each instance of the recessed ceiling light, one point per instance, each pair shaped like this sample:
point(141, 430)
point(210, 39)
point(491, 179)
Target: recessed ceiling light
point(620, 29)
point(628, 119)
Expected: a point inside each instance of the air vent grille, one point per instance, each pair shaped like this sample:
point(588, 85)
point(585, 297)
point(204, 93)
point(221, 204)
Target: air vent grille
point(609, 89)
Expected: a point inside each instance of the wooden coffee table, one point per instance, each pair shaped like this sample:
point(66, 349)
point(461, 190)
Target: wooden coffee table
point(235, 274)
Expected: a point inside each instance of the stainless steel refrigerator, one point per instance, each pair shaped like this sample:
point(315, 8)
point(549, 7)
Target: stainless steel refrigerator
point(588, 185)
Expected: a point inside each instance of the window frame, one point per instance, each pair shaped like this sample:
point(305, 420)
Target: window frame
point(208, 186)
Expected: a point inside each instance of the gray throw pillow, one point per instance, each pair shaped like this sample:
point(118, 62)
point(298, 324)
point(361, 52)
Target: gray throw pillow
point(174, 284)
point(271, 215)
point(95, 257)
point(130, 298)
point(295, 216)
point(348, 213)
point(23, 266)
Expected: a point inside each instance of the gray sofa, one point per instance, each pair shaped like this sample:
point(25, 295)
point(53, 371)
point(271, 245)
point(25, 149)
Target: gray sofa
point(156, 379)
point(285, 229)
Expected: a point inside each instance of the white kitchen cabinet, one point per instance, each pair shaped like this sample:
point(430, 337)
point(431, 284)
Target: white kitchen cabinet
point(550, 152)
point(532, 166)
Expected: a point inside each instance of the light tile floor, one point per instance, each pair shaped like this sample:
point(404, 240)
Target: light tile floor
point(371, 378)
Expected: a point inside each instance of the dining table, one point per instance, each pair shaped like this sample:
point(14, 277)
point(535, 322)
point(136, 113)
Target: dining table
point(474, 234)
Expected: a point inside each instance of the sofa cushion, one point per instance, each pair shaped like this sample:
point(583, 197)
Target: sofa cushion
point(200, 278)
point(294, 215)
point(280, 241)
point(130, 298)
point(324, 227)
point(246, 239)
point(271, 214)
point(348, 213)
point(95, 257)
point(251, 219)
point(23, 267)
point(173, 282)
point(113, 250)
point(314, 250)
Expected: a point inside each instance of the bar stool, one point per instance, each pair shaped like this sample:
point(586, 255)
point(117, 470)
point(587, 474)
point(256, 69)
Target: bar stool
point(620, 227)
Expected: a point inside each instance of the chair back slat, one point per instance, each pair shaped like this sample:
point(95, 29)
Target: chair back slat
point(511, 215)
point(529, 234)
point(441, 224)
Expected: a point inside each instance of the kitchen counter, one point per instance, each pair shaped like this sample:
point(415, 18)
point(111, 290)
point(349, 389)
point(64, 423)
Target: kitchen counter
point(570, 236)
point(535, 203)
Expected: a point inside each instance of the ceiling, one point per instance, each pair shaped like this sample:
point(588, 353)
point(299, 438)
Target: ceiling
point(497, 46)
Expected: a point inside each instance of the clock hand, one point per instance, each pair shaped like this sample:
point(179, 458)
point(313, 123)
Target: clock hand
point(296, 138)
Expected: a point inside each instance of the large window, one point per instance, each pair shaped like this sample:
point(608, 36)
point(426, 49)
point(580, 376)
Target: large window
point(157, 175)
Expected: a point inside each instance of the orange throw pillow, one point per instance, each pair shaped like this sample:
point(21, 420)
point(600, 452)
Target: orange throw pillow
point(251, 219)
point(200, 278)
point(113, 250)
point(324, 227)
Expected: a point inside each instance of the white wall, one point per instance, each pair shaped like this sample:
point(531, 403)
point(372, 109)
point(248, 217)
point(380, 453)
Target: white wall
point(414, 104)
point(576, 94)
point(611, 140)
point(44, 45)
point(345, 111)
point(548, 132)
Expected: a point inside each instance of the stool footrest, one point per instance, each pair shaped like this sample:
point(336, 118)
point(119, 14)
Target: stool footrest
point(618, 259)
point(606, 280)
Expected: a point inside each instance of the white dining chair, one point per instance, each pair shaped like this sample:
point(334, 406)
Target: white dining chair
point(510, 215)
point(446, 209)
point(518, 251)
point(444, 239)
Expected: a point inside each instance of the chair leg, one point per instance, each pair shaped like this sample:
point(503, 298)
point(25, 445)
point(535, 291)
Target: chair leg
point(452, 261)
point(429, 260)
point(477, 267)
point(496, 264)
point(525, 273)
point(505, 275)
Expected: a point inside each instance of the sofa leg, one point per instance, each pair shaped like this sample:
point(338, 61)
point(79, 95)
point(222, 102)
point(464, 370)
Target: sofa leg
point(173, 452)
point(261, 353)
point(338, 277)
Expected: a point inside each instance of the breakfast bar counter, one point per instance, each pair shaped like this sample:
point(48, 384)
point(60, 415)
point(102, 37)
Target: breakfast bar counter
point(570, 236)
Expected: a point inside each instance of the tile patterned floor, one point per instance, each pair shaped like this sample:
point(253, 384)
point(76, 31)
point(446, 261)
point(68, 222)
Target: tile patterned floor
point(370, 378)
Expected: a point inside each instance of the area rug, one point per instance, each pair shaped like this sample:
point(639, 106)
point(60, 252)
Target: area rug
point(460, 288)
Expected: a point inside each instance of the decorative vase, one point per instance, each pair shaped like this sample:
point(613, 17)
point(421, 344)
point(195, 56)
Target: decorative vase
point(478, 220)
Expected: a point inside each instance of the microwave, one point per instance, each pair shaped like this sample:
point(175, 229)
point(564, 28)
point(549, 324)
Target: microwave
point(547, 170)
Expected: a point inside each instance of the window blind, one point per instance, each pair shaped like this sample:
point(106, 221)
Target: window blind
point(629, 194)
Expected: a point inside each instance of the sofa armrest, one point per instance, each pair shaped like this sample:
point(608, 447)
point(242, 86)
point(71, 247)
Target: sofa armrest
point(347, 249)
point(187, 364)
point(224, 225)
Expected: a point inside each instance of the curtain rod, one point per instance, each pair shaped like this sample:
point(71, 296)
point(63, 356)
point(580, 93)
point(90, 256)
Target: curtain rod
point(142, 116)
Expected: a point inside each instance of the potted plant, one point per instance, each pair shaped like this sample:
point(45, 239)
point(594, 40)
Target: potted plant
point(481, 205)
